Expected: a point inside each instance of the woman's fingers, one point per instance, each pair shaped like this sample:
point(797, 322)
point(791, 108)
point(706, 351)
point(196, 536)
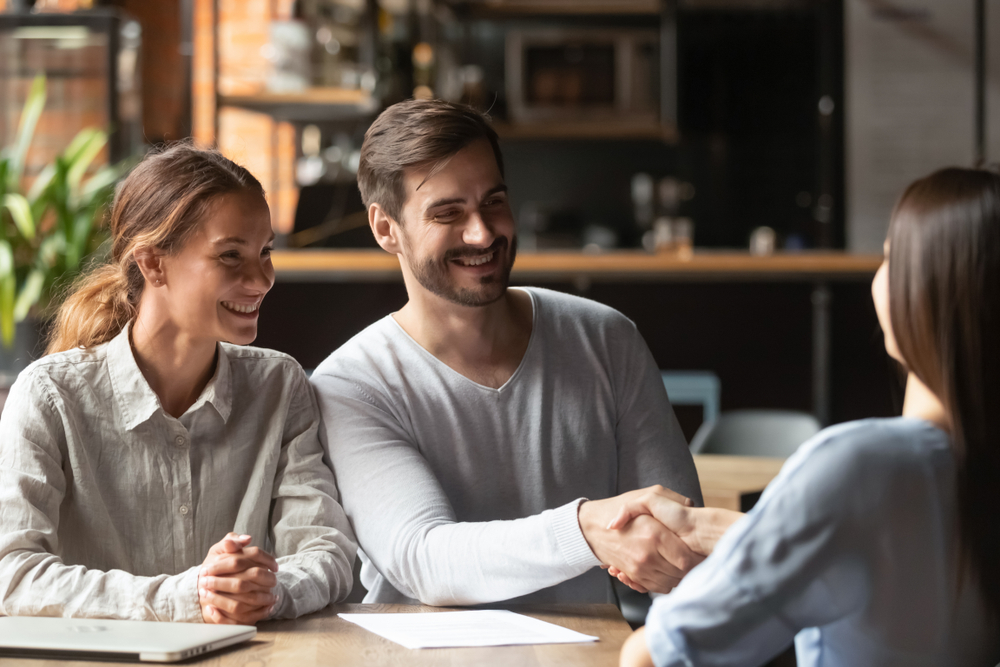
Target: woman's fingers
point(660, 504)
point(251, 581)
point(235, 563)
point(231, 543)
point(622, 577)
point(255, 598)
point(262, 557)
point(234, 610)
point(212, 615)
point(627, 512)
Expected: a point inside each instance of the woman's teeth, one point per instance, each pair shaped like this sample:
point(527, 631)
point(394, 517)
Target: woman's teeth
point(235, 307)
point(476, 261)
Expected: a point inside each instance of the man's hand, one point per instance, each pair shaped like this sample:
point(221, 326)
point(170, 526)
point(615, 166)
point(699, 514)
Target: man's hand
point(649, 555)
point(699, 528)
point(236, 582)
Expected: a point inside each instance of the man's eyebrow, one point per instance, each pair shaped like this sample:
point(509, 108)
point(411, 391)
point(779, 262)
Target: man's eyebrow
point(445, 202)
point(502, 187)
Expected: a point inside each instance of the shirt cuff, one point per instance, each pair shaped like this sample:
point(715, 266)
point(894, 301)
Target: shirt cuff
point(181, 593)
point(569, 536)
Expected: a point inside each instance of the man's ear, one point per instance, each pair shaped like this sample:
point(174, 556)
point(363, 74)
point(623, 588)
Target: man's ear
point(385, 229)
point(150, 264)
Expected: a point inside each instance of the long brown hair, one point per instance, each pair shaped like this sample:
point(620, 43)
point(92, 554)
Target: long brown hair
point(156, 206)
point(944, 303)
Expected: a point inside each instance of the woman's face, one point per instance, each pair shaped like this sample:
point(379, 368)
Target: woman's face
point(880, 294)
point(213, 287)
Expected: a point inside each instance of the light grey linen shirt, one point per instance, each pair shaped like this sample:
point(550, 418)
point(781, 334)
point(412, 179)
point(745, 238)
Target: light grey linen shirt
point(465, 494)
point(851, 550)
point(109, 505)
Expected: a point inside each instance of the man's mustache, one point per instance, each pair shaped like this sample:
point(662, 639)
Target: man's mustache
point(455, 253)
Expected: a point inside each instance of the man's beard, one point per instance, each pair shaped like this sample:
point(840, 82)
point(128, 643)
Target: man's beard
point(434, 275)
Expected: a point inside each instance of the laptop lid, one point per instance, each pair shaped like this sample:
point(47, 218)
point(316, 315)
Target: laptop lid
point(100, 639)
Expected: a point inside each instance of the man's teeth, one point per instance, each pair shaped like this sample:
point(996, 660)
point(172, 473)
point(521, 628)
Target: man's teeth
point(476, 261)
point(240, 308)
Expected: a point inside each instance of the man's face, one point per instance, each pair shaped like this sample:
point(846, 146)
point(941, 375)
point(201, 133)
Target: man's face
point(457, 230)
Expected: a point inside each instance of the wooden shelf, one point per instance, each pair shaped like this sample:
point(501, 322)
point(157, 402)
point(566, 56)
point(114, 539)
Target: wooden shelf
point(623, 265)
point(610, 129)
point(312, 104)
point(559, 7)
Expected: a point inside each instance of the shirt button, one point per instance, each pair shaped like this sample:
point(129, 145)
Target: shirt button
point(179, 441)
point(184, 509)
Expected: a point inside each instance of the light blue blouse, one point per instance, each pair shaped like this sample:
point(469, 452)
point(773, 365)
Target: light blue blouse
point(851, 550)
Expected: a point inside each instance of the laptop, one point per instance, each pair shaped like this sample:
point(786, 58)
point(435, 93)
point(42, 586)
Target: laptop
point(100, 639)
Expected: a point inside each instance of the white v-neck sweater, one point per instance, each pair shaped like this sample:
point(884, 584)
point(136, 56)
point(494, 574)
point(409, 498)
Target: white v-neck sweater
point(465, 494)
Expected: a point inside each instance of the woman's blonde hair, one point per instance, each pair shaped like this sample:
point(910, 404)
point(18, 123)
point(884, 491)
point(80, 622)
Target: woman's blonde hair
point(156, 206)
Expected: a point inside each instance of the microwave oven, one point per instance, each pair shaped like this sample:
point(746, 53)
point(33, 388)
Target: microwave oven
point(590, 74)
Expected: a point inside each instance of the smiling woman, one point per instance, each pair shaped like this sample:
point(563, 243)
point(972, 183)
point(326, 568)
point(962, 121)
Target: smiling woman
point(150, 469)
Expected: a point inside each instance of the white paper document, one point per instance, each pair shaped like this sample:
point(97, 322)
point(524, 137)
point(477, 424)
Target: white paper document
point(449, 629)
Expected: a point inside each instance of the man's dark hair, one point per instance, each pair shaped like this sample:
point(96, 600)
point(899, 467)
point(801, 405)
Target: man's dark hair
point(416, 133)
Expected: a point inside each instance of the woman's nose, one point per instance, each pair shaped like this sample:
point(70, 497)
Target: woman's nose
point(260, 275)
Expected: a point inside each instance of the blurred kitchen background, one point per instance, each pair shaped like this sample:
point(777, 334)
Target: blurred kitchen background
point(722, 171)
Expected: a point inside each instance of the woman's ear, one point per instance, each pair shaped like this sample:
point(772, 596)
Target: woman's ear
point(150, 263)
point(385, 229)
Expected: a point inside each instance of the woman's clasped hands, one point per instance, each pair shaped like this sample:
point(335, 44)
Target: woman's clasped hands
point(236, 582)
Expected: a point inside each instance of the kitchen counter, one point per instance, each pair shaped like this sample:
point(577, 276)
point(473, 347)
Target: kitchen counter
point(631, 265)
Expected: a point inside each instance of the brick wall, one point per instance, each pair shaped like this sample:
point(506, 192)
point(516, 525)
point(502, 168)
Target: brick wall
point(76, 93)
point(267, 148)
point(163, 80)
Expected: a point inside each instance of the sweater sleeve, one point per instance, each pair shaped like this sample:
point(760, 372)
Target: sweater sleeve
point(34, 581)
point(651, 446)
point(407, 526)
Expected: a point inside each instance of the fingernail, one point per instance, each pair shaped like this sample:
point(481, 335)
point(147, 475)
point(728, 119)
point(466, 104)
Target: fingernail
point(244, 537)
point(201, 592)
point(203, 571)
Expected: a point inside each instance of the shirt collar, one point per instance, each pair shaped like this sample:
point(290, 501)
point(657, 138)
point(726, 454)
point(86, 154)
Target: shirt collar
point(136, 399)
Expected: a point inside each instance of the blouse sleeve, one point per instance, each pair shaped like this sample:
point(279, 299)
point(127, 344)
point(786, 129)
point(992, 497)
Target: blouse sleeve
point(312, 537)
point(795, 561)
point(34, 581)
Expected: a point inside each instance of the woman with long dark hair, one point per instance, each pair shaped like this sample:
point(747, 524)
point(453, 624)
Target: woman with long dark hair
point(878, 543)
point(153, 467)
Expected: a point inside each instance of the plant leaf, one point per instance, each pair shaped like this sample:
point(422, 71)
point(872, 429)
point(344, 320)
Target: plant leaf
point(77, 246)
point(26, 128)
point(31, 292)
point(98, 182)
point(20, 211)
point(48, 251)
point(7, 287)
point(41, 182)
point(81, 158)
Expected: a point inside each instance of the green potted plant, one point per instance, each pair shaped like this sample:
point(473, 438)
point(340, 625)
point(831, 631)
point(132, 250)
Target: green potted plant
point(46, 231)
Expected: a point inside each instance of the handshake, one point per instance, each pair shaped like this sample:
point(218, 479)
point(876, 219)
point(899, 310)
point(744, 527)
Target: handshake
point(650, 538)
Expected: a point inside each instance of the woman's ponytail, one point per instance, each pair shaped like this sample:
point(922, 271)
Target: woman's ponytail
point(100, 304)
point(156, 207)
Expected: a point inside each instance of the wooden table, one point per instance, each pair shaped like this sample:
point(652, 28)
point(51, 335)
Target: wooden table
point(734, 482)
point(324, 639)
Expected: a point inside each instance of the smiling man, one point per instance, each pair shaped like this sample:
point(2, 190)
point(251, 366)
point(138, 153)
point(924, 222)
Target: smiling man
point(468, 430)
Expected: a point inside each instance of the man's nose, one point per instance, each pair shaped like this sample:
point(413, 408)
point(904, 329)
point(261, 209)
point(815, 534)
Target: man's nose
point(477, 232)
